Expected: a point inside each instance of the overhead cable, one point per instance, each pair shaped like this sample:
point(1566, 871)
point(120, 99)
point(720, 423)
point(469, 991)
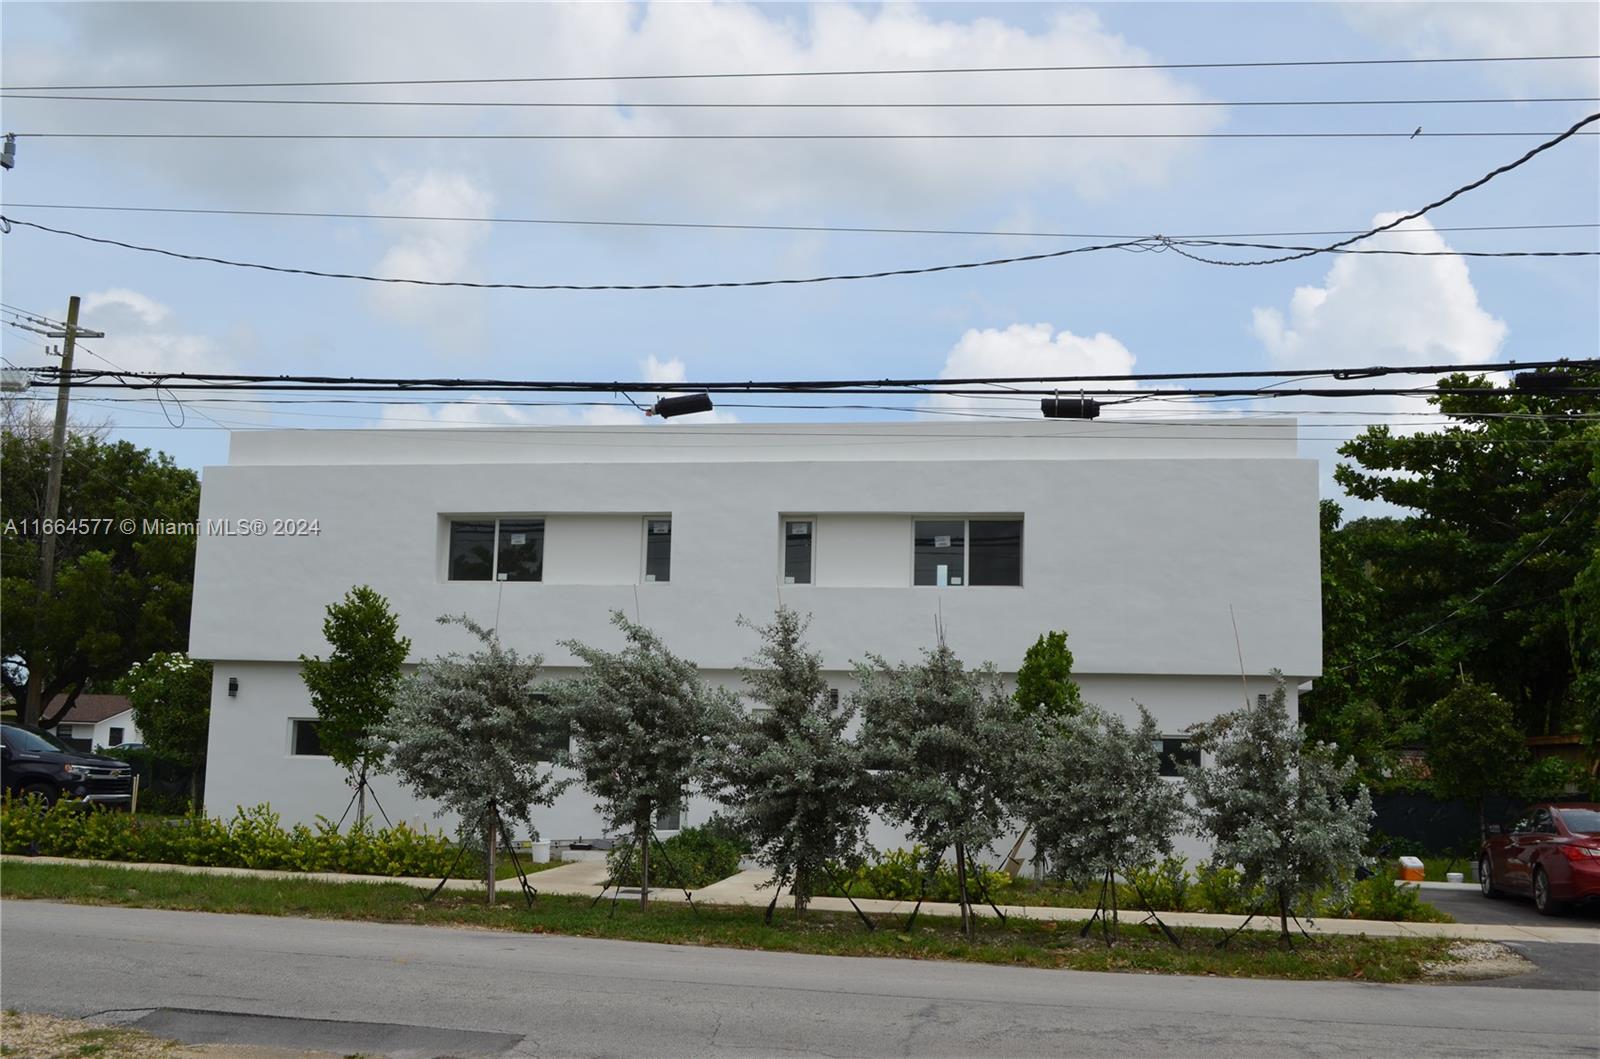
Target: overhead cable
point(1396, 134)
point(843, 229)
point(729, 75)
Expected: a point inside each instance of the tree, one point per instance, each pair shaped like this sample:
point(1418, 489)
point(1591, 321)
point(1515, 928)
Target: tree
point(1474, 747)
point(1477, 577)
point(119, 596)
point(643, 724)
point(796, 785)
point(1276, 806)
point(1097, 800)
point(171, 698)
point(1044, 680)
point(947, 740)
point(354, 689)
point(467, 731)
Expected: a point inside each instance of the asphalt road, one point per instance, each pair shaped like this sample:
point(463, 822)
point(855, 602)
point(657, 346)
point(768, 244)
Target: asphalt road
point(420, 991)
point(1470, 906)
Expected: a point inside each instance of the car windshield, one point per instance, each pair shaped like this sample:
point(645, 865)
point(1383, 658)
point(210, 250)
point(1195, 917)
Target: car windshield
point(1586, 821)
point(33, 741)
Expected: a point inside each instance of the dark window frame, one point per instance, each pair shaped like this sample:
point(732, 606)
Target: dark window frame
point(1176, 750)
point(535, 525)
point(115, 735)
point(790, 575)
point(968, 546)
point(659, 576)
point(296, 726)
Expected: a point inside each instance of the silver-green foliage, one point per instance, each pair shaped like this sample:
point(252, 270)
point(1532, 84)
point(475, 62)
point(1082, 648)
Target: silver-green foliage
point(946, 740)
point(1096, 797)
point(466, 731)
point(1276, 806)
point(643, 723)
point(796, 785)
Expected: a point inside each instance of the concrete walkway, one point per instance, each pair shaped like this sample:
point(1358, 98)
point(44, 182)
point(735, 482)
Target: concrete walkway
point(748, 888)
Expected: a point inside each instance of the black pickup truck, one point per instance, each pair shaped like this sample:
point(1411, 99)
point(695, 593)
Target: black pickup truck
point(33, 761)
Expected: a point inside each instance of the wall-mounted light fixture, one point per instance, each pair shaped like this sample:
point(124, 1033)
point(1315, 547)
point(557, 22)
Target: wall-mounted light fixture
point(688, 404)
point(233, 687)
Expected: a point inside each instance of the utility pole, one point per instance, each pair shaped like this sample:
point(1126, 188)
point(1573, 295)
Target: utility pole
point(33, 708)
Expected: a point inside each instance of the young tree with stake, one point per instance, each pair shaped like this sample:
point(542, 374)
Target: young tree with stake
point(354, 688)
point(796, 785)
point(467, 731)
point(1097, 800)
point(643, 722)
point(946, 739)
point(1276, 806)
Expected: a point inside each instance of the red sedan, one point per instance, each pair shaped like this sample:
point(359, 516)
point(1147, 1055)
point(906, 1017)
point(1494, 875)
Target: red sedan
point(1552, 855)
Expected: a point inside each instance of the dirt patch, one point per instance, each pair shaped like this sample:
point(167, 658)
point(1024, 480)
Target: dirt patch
point(48, 1037)
point(1474, 960)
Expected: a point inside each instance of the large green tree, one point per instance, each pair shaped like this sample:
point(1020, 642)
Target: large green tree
point(118, 596)
point(171, 698)
point(354, 688)
point(1044, 680)
point(1479, 576)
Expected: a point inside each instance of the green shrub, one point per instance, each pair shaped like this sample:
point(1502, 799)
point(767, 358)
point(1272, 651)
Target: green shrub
point(695, 857)
point(254, 838)
point(1379, 898)
point(1220, 888)
point(898, 875)
point(1165, 885)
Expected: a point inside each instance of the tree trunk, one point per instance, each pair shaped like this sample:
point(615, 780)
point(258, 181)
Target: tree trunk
point(961, 878)
point(194, 790)
point(1483, 826)
point(802, 891)
point(491, 845)
point(644, 862)
point(361, 798)
point(1283, 918)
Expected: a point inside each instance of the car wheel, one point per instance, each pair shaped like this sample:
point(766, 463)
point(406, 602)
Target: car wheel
point(1486, 878)
point(44, 790)
point(1542, 900)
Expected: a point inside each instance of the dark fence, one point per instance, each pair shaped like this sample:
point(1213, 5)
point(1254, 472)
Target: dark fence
point(1438, 826)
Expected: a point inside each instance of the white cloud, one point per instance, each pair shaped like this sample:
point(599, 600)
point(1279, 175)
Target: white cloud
point(1434, 30)
point(1039, 350)
point(142, 336)
point(432, 250)
point(1372, 310)
point(503, 412)
point(199, 42)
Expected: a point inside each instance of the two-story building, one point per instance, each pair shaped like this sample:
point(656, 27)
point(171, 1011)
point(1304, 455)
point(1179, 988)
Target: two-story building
point(1147, 542)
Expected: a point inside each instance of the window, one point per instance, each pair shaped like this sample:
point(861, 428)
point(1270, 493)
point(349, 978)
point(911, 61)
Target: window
point(670, 817)
point(114, 737)
point(797, 538)
point(1176, 751)
point(956, 552)
point(555, 734)
point(940, 548)
point(658, 549)
point(304, 742)
point(833, 698)
point(1542, 823)
point(497, 550)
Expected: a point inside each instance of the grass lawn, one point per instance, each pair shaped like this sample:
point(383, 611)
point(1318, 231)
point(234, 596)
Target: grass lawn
point(1028, 944)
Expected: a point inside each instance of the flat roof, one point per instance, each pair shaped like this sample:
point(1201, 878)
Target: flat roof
point(685, 441)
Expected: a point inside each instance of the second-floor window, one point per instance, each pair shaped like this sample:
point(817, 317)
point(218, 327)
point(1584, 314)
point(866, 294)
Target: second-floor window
point(658, 549)
point(951, 553)
point(797, 544)
point(507, 549)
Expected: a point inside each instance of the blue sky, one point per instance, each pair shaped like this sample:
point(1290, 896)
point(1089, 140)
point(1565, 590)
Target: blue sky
point(1113, 311)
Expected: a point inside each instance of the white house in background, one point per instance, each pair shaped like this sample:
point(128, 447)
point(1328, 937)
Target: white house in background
point(1139, 539)
point(96, 722)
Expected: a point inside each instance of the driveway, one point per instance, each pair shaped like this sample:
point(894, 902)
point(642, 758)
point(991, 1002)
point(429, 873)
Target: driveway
point(1470, 906)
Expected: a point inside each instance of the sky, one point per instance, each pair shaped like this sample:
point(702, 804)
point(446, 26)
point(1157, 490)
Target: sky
point(1107, 312)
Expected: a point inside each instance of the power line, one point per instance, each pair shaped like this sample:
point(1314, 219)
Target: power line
point(1177, 247)
point(1143, 244)
point(843, 229)
point(552, 79)
point(941, 105)
point(1348, 372)
point(776, 136)
point(1457, 193)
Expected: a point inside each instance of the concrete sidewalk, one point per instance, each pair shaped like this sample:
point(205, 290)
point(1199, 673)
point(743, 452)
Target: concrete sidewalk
point(749, 888)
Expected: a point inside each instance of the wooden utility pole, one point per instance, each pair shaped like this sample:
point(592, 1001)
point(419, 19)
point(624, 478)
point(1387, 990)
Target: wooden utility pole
point(33, 707)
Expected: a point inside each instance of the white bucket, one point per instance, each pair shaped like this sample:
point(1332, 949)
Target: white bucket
point(1454, 876)
point(539, 852)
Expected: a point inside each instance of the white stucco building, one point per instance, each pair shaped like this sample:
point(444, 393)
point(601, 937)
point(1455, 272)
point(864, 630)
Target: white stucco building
point(1136, 538)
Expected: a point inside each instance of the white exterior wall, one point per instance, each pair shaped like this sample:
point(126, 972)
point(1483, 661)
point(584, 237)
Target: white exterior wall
point(1135, 542)
point(99, 733)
